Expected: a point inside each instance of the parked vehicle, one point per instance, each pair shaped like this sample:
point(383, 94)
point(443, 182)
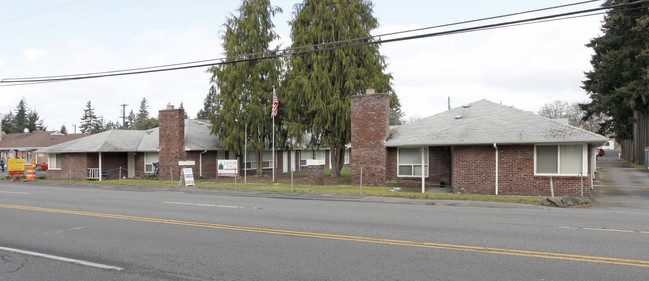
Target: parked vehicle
point(600, 152)
point(42, 166)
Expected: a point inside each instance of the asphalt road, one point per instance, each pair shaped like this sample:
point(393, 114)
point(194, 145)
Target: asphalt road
point(117, 233)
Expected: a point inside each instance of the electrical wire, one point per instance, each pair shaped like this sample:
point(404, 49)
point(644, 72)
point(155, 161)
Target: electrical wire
point(302, 47)
point(289, 51)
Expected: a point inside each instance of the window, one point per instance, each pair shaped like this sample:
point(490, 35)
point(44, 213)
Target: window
point(54, 162)
point(409, 162)
point(267, 160)
point(149, 159)
point(562, 159)
point(251, 160)
point(346, 156)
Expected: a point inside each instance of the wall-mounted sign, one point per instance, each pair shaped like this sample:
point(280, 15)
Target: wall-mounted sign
point(186, 163)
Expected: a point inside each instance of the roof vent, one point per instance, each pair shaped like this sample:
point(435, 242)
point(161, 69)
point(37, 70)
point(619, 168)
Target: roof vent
point(466, 106)
point(458, 116)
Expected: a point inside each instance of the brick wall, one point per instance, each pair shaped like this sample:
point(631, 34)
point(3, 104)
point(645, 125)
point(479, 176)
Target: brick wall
point(369, 129)
point(474, 173)
point(73, 165)
point(439, 168)
point(171, 142)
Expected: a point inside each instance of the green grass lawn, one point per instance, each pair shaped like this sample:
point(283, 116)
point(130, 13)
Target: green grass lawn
point(346, 190)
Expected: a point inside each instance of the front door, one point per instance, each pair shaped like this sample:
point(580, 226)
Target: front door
point(131, 164)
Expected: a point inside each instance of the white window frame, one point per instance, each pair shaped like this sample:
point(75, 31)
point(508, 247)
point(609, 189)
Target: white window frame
point(54, 161)
point(267, 160)
point(426, 164)
point(251, 161)
point(584, 160)
point(148, 161)
point(346, 161)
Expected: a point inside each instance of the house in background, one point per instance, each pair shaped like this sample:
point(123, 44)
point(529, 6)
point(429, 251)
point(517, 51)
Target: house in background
point(132, 153)
point(25, 144)
point(479, 148)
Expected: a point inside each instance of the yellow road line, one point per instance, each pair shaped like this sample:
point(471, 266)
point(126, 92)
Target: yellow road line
point(511, 252)
point(618, 186)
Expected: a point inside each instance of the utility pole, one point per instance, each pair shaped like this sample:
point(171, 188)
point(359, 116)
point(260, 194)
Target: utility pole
point(123, 115)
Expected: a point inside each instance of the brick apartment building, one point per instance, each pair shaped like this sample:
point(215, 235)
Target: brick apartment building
point(479, 148)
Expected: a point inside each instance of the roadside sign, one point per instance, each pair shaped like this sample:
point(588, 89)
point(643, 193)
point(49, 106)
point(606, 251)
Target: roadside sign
point(188, 176)
point(16, 166)
point(227, 168)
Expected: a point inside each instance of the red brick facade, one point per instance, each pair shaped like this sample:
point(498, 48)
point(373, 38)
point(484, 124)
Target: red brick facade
point(439, 168)
point(370, 128)
point(474, 173)
point(172, 142)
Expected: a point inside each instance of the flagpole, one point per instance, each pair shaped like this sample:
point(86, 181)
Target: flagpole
point(273, 139)
point(245, 155)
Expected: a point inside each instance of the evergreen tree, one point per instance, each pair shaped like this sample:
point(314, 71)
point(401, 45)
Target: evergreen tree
point(130, 121)
point(142, 115)
point(320, 84)
point(7, 123)
point(209, 104)
point(63, 130)
point(618, 85)
point(20, 122)
point(246, 88)
point(184, 111)
point(33, 122)
point(89, 121)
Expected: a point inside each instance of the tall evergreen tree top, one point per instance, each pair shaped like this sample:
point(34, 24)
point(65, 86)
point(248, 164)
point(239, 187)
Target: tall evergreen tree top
point(619, 81)
point(242, 92)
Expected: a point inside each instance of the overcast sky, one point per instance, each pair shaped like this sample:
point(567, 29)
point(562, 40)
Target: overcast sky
point(525, 66)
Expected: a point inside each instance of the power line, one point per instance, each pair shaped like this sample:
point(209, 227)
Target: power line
point(289, 51)
point(361, 39)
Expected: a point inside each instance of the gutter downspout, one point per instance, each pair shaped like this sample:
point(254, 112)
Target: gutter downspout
point(200, 163)
point(496, 147)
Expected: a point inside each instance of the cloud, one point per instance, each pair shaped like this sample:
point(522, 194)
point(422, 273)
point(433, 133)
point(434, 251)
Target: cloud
point(32, 54)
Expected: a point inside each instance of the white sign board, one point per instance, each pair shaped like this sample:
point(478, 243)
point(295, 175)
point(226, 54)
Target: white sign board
point(186, 163)
point(227, 168)
point(188, 176)
point(315, 162)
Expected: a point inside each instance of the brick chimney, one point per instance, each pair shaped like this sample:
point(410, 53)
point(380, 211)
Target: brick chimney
point(370, 118)
point(171, 141)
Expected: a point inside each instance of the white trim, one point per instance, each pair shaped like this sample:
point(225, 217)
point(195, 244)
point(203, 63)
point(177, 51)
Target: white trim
point(426, 174)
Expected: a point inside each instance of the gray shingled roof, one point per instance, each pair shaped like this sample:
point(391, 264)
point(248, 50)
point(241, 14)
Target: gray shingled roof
point(486, 122)
point(197, 137)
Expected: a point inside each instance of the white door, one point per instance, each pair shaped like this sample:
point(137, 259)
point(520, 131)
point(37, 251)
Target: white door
point(131, 165)
point(285, 162)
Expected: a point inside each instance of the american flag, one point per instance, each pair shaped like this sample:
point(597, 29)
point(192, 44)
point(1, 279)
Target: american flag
point(273, 112)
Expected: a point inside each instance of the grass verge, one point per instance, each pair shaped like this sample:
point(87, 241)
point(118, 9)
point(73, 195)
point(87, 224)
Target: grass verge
point(308, 189)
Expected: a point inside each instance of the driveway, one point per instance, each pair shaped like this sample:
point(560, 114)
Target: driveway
point(619, 185)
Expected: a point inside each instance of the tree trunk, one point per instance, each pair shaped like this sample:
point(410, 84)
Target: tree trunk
point(260, 169)
point(337, 161)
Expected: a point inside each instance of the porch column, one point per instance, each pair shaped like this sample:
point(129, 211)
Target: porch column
point(99, 166)
point(423, 172)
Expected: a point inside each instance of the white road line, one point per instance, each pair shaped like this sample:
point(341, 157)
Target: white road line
point(178, 203)
point(14, 192)
point(611, 230)
point(226, 206)
point(81, 262)
point(605, 229)
point(203, 205)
